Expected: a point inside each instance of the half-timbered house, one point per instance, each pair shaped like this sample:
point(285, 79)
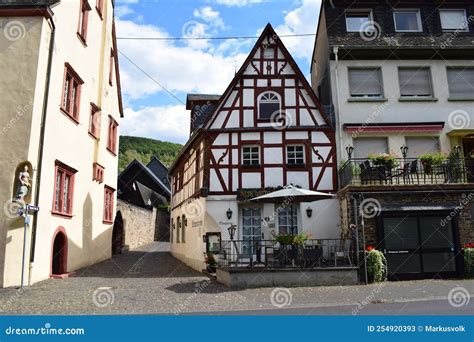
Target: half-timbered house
point(266, 131)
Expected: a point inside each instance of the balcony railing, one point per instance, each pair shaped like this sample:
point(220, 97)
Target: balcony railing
point(406, 172)
point(271, 255)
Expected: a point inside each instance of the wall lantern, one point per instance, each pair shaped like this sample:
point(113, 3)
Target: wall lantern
point(349, 150)
point(231, 231)
point(229, 213)
point(404, 150)
point(309, 211)
point(457, 151)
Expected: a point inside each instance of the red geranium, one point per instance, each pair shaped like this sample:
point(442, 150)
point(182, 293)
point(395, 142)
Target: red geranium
point(469, 245)
point(369, 248)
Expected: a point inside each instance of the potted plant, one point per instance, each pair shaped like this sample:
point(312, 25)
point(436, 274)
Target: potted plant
point(377, 270)
point(383, 159)
point(468, 252)
point(284, 239)
point(211, 262)
point(428, 160)
point(301, 238)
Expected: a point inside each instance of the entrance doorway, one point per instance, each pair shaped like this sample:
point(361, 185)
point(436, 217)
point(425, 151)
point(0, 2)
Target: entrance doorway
point(59, 259)
point(117, 234)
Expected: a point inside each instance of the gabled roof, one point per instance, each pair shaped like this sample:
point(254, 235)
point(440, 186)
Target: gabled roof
point(159, 169)
point(268, 31)
point(138, 163)
point(148, 196)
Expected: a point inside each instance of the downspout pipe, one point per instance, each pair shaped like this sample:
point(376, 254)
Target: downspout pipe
point(41, 138)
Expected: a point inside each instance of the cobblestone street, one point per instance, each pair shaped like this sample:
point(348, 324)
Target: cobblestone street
point(150, 280)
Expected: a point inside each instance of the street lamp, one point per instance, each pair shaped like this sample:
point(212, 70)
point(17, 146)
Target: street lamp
point(229, 213)
point(349, 150)
point(231, 231)
point(404, 150)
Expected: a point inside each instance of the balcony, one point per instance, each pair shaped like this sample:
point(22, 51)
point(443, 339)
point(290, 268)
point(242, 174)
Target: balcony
point(406, 171)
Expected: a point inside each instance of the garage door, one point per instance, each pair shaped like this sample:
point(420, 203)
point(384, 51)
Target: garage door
point(418, 246)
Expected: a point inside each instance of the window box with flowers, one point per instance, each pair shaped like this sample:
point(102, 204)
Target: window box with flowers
point(383, 159)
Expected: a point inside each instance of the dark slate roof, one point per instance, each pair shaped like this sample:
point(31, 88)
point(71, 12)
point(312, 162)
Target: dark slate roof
point(148, 172)
point(27, 3)
point(160, 170)
point(200, 113)
point(149, 197)
point(202, 97)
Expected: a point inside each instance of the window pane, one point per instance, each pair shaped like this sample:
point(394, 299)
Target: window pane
point(407, 21)
point(434, 235)
point(288, 223)
point(365, 82)
point(354, 20)
point(461, 83)
point(59, 175)
point(439, 262)
point(66, 204)
point(453, 20)
point(415, 82)
point(401, 233)
point(267, 109)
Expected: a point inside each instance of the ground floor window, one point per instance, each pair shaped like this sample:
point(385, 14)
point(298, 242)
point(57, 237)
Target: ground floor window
point(251, 228)
point(288, 219)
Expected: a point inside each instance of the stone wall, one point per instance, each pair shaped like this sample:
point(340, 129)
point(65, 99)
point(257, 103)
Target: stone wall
point(138, 224)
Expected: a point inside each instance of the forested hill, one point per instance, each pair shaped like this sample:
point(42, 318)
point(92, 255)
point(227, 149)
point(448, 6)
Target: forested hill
point(144, 148)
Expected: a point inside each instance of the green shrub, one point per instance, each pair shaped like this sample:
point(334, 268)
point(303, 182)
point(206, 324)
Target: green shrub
point(376, 266)
point(468, 262)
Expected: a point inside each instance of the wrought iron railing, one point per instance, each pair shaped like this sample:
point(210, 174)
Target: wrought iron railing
point(270, 254)
point(406, 171)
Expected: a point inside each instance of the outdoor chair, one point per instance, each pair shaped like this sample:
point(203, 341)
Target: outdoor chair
point(311, 256)
point(343, 251)
point(368, 173)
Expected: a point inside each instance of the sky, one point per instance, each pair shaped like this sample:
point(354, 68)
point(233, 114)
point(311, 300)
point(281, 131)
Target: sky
point(157, 75)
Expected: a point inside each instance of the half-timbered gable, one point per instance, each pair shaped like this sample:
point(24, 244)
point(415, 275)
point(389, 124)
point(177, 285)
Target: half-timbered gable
point(268, 128)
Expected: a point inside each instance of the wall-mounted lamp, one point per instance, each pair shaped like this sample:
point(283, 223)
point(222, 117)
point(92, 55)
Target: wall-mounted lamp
point(457, 150)
point(404, 150)
point(229, 213)
point(231, 231)
point(309, 211)
point(349, 150)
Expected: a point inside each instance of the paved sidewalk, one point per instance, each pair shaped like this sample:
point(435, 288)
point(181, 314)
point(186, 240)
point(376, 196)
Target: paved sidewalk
point(150, 281)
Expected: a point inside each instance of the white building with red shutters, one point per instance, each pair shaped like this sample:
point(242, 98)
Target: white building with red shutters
point(266, 131)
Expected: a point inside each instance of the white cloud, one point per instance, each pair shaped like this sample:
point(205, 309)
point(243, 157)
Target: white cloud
point(210, 16)
point(123, 10)
point(168, 123)
point(237, 3)
point(301, 20)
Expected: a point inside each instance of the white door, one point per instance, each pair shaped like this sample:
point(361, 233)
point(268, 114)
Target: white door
point(251, 229)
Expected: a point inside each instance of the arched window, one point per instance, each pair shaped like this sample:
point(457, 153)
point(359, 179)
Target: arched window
point(184, 223)
point(178, 227)
point(268, 104)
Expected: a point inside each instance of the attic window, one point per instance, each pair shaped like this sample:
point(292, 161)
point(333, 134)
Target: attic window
point(407, 21)
point(359, 20)
point(453, 20)
point(268, 105)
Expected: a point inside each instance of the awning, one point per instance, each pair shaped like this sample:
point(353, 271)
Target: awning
point(415, 207)
point(394, 127)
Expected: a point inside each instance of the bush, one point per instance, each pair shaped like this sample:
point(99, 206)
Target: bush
point(468, 261)
point(376, 266)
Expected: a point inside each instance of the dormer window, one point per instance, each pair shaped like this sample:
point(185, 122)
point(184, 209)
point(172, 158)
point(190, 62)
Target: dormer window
point(359, 20)
point(268, 105)
point(453, 20)
point(407, 20)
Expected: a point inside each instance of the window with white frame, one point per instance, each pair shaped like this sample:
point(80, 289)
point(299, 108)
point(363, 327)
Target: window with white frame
point(359, 20)
point(407, 20)
point(461, 83)
point(453, 20)
point(288, 219)
point(268, 105)
point(415, 82)
point(295, 154)
point(365, 82)
point(250, 155)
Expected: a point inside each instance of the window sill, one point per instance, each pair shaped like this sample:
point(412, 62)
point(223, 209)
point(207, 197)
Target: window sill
point(63, 215)
point(93, 136)
point(82, 39)
point(456, 99)
point(112, 152)
point(107, 222)
point(72, 118)
point(417, 99)
point(256, 166)
point(367, 99)
point(296, 166)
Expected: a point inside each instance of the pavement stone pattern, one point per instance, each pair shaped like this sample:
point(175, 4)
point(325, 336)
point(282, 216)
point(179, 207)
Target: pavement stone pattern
point(149, 280)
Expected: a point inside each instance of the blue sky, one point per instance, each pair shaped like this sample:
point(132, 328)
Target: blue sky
point(195, 66)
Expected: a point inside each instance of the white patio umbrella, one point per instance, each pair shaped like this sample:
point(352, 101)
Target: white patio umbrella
point(291, 194)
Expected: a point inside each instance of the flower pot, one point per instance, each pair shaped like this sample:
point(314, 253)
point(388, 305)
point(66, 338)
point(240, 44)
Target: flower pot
point(427, 167)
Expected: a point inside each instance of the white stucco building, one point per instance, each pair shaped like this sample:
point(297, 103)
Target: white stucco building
point(60, 107)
